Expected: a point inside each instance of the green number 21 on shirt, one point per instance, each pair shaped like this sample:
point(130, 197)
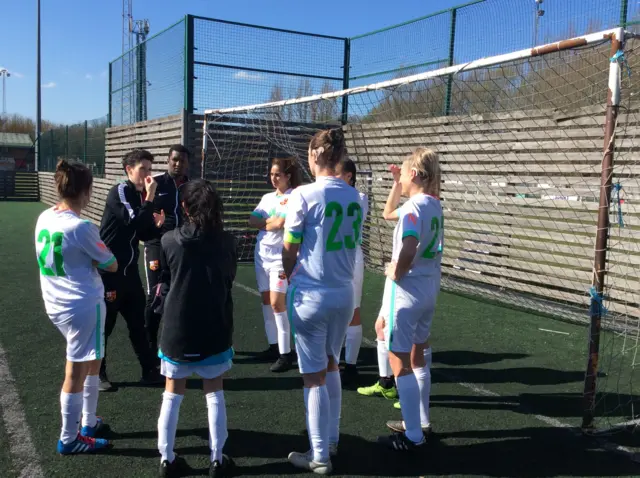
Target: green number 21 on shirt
point(49, 240)
point(334, 210)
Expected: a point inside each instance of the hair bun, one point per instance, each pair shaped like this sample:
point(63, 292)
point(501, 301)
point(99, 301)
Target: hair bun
point(336, 135)
point(63, 165)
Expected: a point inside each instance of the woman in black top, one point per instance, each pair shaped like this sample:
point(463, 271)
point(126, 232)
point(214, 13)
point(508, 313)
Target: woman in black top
point(198, 261)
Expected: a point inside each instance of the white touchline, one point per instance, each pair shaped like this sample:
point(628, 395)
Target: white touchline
point(21, 447)
point(488, 393)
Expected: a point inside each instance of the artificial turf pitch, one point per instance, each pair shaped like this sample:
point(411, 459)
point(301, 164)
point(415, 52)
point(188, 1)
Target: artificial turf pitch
point(500, 389)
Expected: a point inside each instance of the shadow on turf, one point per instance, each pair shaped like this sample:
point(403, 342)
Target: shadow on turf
point(466, 357)
point(533, 452)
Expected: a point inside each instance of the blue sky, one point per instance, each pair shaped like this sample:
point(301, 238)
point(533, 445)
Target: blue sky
point(79, 38)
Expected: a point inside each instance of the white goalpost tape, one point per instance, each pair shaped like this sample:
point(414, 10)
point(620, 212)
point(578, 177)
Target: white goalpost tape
point(603, 36)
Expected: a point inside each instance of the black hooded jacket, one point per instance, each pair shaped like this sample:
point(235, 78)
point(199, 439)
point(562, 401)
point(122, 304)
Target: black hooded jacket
point(197, 319)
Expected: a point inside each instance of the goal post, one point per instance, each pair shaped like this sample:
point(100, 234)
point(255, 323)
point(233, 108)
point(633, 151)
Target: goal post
point(527, 185)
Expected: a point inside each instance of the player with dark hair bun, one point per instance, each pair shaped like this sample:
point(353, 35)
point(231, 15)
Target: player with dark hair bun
point(198, 268)
point(322, 230)
point(69, 252)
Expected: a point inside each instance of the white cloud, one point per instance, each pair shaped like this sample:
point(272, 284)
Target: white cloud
point(89, 76)
point(51, 84)
point(245, 75)
point(15, 74)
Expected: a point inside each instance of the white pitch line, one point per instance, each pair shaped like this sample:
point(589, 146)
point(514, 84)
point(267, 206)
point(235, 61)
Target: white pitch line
point(488, 393)
point(21, 447)
point(554, 331)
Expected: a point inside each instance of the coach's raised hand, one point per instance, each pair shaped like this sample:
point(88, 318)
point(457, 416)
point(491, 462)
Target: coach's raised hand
point(150, 186)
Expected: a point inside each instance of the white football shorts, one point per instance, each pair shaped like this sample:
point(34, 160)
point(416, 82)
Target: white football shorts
point(209, 372)
point(270, 274)
point(408, 307)
point(319, 321)
point(83, 329)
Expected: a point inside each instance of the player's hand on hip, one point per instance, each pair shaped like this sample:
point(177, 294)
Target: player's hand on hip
point(159, 218)
point(390, 270)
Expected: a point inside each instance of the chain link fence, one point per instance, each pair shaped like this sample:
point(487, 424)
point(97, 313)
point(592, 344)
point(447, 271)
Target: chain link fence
point(83, 142)
point(148, 81)
point(201, 63)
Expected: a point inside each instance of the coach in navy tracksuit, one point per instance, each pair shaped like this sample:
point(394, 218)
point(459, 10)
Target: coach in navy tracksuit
point(167, 199)
point(129, 217)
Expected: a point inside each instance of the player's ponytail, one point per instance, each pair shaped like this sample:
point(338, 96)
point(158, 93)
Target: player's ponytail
point(73, 180)
point(330, 147)
point(292, 167)
point(202, 205)
point(426, 164)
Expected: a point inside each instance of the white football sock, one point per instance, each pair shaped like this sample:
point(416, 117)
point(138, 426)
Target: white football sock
point(217, 412)
point(423, 376)
point(90, 401)
point(284, 332)
point(334, 390)
point(168, 424)
point(270, 327)
point(71, 408)
point(384, 367)
point(317, 405)
point(352, 347)
point(410, 405)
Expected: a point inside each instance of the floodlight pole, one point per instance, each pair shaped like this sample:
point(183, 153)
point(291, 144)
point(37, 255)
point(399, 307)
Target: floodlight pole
point(597, 311)
point(4, 74)
point(38, 90)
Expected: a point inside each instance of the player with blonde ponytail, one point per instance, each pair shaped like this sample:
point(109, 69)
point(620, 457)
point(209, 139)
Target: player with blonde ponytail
point(411, 290)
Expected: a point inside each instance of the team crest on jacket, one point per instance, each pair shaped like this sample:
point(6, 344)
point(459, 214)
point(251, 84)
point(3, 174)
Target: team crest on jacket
point(154, 265)
point(110, 295)
point(284, 201)
point(282, 275)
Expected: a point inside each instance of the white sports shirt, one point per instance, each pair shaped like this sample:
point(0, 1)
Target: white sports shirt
point(364, 204)
point(325, 218)
point(272, 204)
point(65, 248)
point(421, 217)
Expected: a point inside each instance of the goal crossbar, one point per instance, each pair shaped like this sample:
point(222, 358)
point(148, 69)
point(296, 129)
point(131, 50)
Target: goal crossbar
point(584, 40)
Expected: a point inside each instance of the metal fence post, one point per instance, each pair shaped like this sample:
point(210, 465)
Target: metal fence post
point(345, 79)
point(189, 75)
point(624, 10)
point(85, 142)
point(452, 42)
point(110, 104)
point(600, 262)
point(53, 156)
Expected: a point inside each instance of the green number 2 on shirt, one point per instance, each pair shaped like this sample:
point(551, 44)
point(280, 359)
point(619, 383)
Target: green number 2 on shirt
point(48, 239)
point(436, 225)
point(335, 209)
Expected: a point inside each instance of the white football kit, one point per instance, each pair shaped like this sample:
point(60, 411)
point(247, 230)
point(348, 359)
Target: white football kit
point(325, 218)
point(358, 276)
point(268, 252)
point(72, 289)
point(408, 304)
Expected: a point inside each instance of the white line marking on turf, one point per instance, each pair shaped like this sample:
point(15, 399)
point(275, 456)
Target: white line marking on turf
point(488, 393)
point(21, 445)
point(554, 331)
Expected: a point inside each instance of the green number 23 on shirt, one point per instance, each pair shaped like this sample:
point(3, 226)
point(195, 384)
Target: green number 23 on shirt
point(49, 239)
point(334, 210)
